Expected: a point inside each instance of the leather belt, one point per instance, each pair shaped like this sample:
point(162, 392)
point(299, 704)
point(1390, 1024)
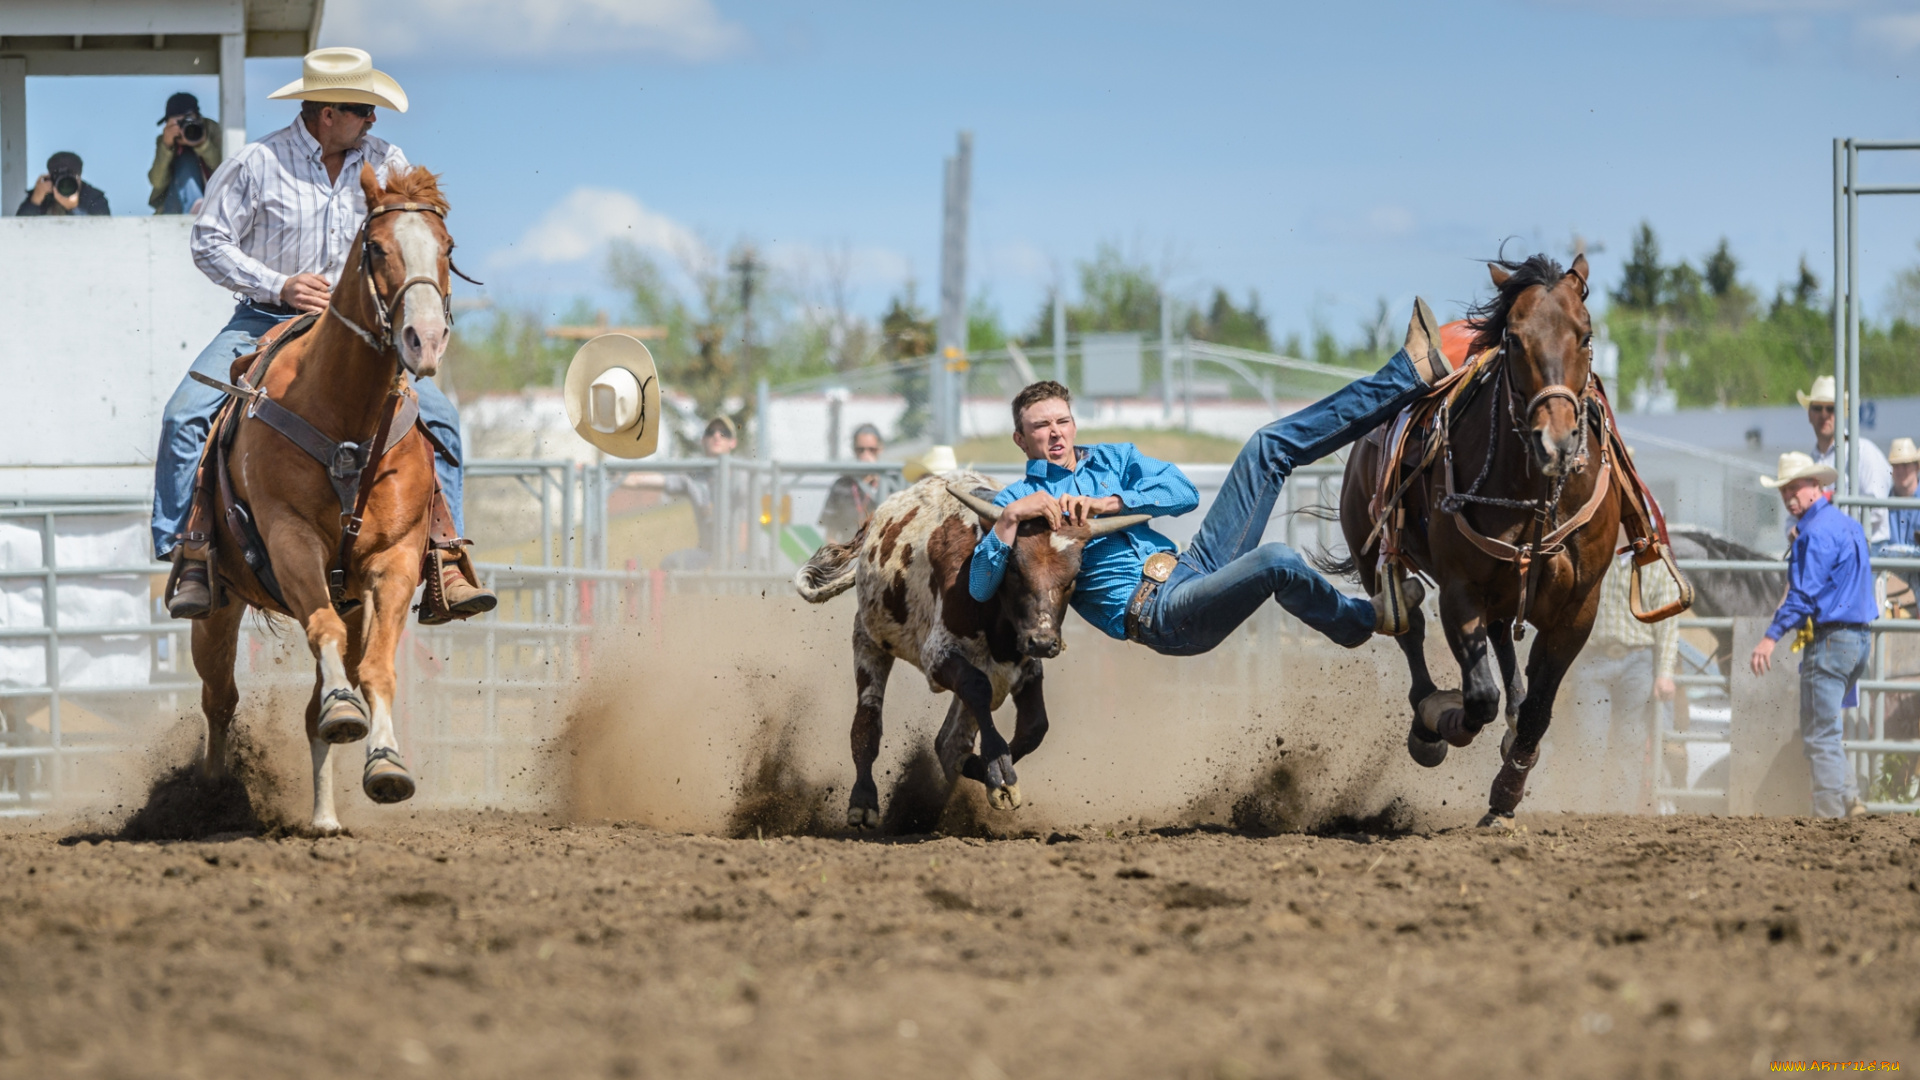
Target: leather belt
point(1158, 569)
point(1825, 627)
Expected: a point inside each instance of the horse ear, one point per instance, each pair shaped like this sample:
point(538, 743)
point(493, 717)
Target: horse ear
point(370, 185)
point(1579, 269)
point(1500, 274)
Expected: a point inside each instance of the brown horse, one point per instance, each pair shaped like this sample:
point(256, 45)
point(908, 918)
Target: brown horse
point(348, 383)
point(1527, 536)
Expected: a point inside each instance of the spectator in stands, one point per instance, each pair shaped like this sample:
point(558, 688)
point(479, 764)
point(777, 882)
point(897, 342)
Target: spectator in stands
point(1829, 604)
point(1876, 476)
point(1622, 674)
point(185, 153)
point(61, 192)
point(851, 501)
point(1903, 526)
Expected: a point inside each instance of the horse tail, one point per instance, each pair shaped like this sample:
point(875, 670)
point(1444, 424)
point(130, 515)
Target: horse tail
point(830, 572)
point(1332, 565)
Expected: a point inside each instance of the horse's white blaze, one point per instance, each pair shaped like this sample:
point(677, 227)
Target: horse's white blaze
point(324, 818)
point(420, 309)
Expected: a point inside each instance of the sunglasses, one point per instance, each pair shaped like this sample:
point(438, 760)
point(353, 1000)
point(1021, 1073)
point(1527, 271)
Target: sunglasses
point(364, 112)
point(1820, 408)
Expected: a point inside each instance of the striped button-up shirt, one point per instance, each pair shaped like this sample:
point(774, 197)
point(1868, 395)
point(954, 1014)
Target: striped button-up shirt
point(1614, 624)
point(270, 212)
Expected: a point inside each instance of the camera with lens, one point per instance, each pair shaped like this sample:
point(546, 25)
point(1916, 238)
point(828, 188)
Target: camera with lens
point(193, 130)
point(67, 184)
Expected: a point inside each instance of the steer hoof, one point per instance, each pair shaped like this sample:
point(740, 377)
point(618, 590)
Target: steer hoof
point(385, 779)
point(1006, 798)
point(343, 717)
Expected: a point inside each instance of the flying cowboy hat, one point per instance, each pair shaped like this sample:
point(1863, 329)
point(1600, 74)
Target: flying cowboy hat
point(937, 459)
point(1822, 392)
point(1795, 465)
point(341, 74)
point(613, 396)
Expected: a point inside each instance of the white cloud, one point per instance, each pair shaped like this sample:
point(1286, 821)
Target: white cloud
point(1896, 34)
point(687, 30)
point(583, 223)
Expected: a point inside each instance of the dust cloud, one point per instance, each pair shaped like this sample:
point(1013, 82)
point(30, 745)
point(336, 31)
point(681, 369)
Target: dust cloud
point(730, 715)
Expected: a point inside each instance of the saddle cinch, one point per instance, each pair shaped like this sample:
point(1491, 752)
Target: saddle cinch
point(350, 469)
point(1424, 424)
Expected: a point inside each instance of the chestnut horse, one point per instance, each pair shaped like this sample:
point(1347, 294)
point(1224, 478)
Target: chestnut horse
point(346, 377)
point(1528, 441)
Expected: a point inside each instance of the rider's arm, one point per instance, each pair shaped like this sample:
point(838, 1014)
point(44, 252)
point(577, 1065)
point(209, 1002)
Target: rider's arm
point(1807, 570)
point(226, 215)
point(990, 553)
point(1151, 486)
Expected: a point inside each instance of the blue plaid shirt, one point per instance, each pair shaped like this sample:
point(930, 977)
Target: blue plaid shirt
point(1111, 566)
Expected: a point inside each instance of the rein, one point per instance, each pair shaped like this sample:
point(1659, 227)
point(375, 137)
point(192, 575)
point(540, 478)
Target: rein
point(382, 307)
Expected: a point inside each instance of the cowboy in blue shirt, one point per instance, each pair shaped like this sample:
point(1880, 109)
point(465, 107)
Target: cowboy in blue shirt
point(1829, 582)
point(1903, 525)
point(1130, 584)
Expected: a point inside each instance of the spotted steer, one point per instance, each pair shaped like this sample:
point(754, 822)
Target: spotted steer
point(911, 563)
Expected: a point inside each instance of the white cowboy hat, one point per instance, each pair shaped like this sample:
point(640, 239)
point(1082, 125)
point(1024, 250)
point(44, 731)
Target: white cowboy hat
point(613, 396)
point(1822, 392)
point(1903, 452)
point(344, 75)
point(1795, 465)
point(937, 459)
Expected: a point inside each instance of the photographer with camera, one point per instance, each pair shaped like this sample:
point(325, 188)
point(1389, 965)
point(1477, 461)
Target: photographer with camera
point(185, 153)
point(60, 191)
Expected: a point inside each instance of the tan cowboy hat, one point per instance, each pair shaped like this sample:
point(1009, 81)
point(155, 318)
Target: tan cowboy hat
point(1795, 465)
point(613, 396)
point(937, 459)
point(344, 75)
point(1822, 392)
point(1903, 452)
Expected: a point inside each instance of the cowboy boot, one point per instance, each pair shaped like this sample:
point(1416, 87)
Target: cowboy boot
point(192, 596)
point(1394, 604)
point(464, 599)
point(1423, 344)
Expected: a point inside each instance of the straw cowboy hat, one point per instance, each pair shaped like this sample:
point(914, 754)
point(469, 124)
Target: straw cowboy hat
point(613, 396)
point(1795, 465)
point(937, 459)
point(1903, 452)
point(344, 75)
point(1822, 392)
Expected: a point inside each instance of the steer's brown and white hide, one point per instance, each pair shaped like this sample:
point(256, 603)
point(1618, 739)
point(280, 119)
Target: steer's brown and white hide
point(911, 565)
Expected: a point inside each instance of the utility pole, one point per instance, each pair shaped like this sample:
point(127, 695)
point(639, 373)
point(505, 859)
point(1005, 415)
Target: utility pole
point(1166, 355)
point(950, 348)
point(746, 263)
point(1059, 333)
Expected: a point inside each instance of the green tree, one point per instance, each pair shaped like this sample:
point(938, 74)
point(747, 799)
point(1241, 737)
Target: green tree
point(1722, 271)
point(1643, 279)
point(1223, 323)
point(907, 333)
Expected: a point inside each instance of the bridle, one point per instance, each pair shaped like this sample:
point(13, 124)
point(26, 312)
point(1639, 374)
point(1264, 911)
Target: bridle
point(382, 308)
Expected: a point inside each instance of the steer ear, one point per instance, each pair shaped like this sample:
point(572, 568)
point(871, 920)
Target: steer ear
point(1102, 526)
point(988, 512)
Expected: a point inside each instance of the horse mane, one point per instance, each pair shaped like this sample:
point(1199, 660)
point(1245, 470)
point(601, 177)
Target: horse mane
point(415, 185)
point(1488, 320)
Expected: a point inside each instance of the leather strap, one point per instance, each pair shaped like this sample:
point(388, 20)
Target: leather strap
point(399, 401)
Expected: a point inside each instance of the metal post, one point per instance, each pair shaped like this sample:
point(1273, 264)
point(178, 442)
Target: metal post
point(1060, 333)
point(951, 348)
point(50, 613)
point(1186, 368)
point(13, 131)
point(233, 93)
point(1842, 285)
point(1850, 463)
point(722, 554)
point(1166, 357)
point(763, 405)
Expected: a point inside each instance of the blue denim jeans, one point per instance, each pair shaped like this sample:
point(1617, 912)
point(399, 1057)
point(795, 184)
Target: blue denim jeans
point(184, 186)
point(1836, 660)
point(1226, 573)
point(189, 415)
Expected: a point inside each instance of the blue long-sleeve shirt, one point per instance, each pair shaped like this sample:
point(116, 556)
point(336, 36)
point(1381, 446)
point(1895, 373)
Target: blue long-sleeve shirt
point(1827, 574)
point(1901, 527)
point(1110, 567)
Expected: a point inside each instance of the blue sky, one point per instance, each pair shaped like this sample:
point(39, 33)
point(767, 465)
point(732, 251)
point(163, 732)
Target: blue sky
point(1327, 155)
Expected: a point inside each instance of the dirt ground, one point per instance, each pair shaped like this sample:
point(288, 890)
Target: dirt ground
point(489, 945)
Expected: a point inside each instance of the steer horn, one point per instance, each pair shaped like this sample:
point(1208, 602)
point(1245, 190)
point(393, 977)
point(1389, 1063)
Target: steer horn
point(1102, 526)
point(987, 511)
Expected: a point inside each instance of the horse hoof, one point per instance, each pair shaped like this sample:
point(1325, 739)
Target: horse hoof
point(1437, 704)
point(343, 717)
point(385, 779)
point(1496, 820)
point(863, 817)
point(1004, 798)
point(1426, 754)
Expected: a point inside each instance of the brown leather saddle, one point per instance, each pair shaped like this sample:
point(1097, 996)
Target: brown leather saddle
point(350, 468)
point(1416, 442)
